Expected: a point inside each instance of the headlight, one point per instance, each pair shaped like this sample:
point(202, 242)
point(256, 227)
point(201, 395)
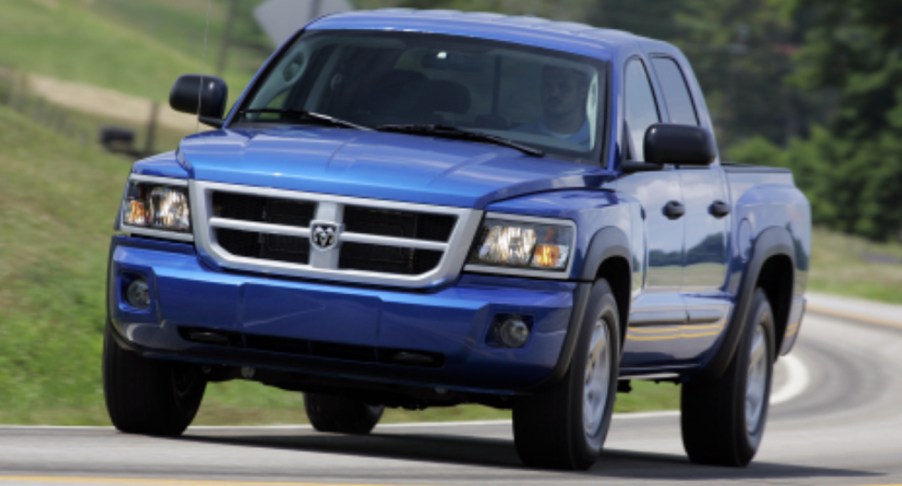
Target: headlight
point(156, 205)
point(527, 244)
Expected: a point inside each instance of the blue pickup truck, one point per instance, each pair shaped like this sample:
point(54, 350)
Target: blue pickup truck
point(415, 209)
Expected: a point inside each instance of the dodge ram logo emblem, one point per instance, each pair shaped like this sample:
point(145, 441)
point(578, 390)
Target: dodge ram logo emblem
point(324, 235)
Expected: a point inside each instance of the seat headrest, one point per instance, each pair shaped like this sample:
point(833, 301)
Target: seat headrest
point(447, 96)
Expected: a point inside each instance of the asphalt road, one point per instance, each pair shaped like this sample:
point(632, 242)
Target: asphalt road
point(839, 421)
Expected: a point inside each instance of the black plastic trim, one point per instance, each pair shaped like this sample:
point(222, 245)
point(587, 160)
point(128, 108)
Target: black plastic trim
point(580, 301)
point(200, 94)
point(211, 121)
point(774, 241)
point(719, 209)
point(609, 242)
point(666, 143)
point(630, 166)
point(674, 210)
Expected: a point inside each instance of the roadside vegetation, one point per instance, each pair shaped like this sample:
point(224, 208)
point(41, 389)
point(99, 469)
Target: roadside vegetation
point(857, 267)
point(138, 48)
point(59, 194)
point(57, 198)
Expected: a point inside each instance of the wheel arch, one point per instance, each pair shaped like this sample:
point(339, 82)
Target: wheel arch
point(772, 254)
point(608, 256)
point(776, 278)
point(616, 271)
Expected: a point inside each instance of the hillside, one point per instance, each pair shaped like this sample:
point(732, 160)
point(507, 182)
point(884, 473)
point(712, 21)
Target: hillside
point(57, 199)
point(137, 48)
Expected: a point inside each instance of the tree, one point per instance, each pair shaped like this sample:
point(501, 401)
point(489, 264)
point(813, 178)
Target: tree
point(854, 50)
point(741, 51)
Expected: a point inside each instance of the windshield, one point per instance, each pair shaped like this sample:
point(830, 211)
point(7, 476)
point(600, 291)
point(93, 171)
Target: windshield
point(549, 100)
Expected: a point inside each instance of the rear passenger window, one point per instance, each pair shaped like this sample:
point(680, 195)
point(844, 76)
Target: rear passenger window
point(676, 91)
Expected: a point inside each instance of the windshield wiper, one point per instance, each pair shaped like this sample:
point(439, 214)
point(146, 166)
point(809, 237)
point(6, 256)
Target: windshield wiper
point(309, 116)
point(449, 131)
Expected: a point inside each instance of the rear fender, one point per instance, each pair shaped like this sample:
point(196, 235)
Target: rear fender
point(771, 242)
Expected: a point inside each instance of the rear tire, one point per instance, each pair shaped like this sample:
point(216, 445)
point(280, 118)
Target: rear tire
point(565, 426)
point(146, 396)
point(723, 418)
point(331, 413)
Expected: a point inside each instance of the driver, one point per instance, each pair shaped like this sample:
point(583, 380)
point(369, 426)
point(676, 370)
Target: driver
point(564, 94)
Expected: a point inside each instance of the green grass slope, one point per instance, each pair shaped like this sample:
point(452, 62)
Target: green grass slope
point(57, 200)
point(136, 47)
point(850, 265)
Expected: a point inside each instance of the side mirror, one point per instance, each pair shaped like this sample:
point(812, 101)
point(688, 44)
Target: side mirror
point(678, 144)
point(202, 95)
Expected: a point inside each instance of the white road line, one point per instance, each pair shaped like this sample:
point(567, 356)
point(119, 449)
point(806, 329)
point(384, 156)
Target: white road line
point(646, 415)
point(797, 379)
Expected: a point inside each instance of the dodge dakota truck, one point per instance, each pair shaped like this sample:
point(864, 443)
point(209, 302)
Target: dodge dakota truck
point(413, 209)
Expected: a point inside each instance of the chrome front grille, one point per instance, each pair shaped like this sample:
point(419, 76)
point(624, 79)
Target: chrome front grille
point(375, 242)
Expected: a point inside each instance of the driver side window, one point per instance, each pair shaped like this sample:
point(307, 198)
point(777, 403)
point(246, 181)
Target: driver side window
point(641, 111)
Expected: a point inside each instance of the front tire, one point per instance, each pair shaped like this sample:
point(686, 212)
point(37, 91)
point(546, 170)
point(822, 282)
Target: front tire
point(146, 396)
point(331, 413)
point(565, 426)
point(723, 419)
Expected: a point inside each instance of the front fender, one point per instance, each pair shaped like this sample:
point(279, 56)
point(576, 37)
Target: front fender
point(609, 242)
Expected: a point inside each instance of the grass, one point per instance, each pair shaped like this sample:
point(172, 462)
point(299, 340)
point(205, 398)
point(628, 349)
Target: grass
point(853, 266)
point(138, 48)
point(181, 25)
point(57, 199)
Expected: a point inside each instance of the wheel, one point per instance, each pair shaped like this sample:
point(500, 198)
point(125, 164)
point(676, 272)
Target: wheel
point(723, 419)
point(331, 413)
point(565, 426)
point(146, 396)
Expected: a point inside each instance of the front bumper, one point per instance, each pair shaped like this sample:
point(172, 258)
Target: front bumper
point(344, 332)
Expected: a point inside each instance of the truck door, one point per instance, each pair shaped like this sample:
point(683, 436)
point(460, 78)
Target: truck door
point(706, 220)
point(659, 309)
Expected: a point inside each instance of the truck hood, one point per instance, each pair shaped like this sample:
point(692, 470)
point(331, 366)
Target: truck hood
point(378, 165)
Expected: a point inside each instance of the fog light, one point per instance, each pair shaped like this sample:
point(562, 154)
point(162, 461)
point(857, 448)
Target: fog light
point(138, 294)
point(511, 332)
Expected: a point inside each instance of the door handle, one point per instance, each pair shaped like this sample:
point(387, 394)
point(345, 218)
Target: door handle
point(719, 209)
point(674, 210)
